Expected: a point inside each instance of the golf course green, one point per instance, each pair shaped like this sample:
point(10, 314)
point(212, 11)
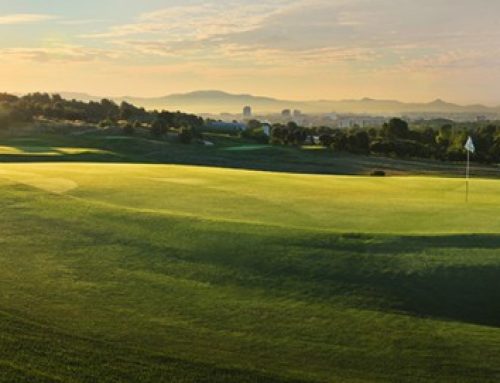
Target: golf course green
point(171, 273)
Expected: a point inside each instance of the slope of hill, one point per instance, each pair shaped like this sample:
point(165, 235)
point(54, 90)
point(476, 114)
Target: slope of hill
point(158, 273)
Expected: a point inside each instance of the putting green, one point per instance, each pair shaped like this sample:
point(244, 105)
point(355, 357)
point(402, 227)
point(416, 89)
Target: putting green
point(397, 205)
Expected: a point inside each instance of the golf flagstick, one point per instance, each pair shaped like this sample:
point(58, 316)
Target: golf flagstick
point(470, 148)
point(467, 172)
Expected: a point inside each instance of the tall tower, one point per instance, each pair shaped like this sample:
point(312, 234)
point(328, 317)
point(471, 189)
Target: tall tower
point(247, 111)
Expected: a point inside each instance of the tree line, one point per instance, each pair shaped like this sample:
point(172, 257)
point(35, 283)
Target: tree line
point(14, 109)
point(441, 139)
point(396, 138)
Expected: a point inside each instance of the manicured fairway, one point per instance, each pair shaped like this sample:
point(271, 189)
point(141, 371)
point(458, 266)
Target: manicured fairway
point(46, 151)
point(395, 205)
point(154, 273)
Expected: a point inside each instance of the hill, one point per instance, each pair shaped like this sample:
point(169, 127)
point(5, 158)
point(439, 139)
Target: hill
point(156, 273)
point(213, 101)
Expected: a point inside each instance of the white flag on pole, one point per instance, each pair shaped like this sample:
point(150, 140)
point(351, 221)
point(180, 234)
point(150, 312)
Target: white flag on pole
point(470, 145)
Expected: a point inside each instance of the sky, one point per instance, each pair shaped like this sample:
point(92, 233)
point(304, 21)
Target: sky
point(292, 49)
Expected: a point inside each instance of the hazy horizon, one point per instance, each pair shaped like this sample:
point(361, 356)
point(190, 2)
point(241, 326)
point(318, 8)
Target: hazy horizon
point(242, 93)
point(286, 49)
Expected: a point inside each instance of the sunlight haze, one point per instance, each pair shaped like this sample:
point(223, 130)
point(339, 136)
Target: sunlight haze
point(290, 49)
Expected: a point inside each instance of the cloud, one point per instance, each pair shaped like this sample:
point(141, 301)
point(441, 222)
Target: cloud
point(24, 18)
point(285, 32)
point(82, 21)
point(60, 53)
point(455, 60)
point(198, 21)
point(362, 35)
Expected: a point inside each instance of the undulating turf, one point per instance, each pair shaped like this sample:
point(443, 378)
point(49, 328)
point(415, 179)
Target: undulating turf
point(154, 273)
point(228, 152)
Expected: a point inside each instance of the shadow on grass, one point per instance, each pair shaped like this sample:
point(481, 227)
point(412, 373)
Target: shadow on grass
point(380, 244)
point(462, 293)
point(447, 277)
point(60, 156)
point(429, 276)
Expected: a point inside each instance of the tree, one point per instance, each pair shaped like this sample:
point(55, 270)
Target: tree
point(4, 121)
point(186, 135)
point(110, 109)
point(158, 128)
point(255, 132)
point(326, 140)
point(8, 98)
point(129, 129)
point(339, 140)
point(383, 147)
point(126, 111)
point(278, 134)
point(495, 149)
point(396, 128)
point(359, 142)
point(443, 138)
point(106, 123)
point(56, 98)
point(428, 136)
point(254, 124)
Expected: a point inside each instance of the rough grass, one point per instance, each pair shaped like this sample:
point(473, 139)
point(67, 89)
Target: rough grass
point(118, 273)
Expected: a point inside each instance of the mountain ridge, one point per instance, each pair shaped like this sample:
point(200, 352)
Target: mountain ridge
point(217, 101)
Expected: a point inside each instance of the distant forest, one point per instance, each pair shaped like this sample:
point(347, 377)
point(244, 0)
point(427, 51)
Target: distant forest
point(437, 139)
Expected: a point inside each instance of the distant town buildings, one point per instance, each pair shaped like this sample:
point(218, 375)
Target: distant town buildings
point(247, 111)
point(332, 116)
point(337, 119)
point(360, 121)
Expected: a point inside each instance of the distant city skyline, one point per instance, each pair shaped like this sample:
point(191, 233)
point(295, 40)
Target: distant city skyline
point(288, 49)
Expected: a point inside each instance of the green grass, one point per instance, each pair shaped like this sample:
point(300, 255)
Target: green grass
point(228, 152)
point(248, 148)
point(47, 151)
point(155, 273)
